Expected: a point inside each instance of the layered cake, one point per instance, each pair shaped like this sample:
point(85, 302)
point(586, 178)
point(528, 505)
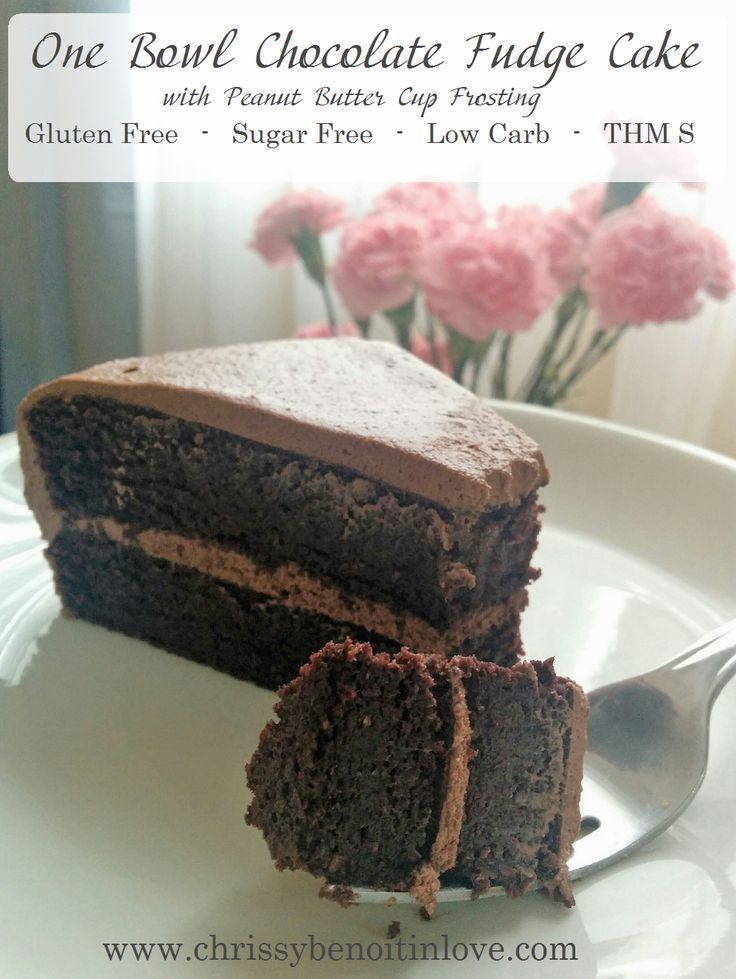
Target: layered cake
point(242, 506)
point(406, 773)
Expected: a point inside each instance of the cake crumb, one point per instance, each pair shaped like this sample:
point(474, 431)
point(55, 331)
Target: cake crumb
point(339, 893)
point(393, 930)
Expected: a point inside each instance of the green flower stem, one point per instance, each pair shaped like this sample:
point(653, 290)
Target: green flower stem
point(590, 355)
point(461, 349)
point(543, 385)
point(533, 390)
point(600, 344)
point(501, 374)
point(432, 336)
point(402, 318)
point(329, 307)
point(532, 385)
point(403, 334)
point(574, 338)
point(620, 195)
point(308, 245)
point(555, 367)
point(478, 355)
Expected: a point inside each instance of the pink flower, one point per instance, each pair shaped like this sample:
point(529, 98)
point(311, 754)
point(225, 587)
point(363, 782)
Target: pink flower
point(566, 243)
point(479, 279)
point(441, 205)
point(568, 232)
point(562, 234)
point(422, 348)
point(587, 205)
point(524, 223)
point(280, 222)
point(647, 265)
point(318, 331)
point(375, 269)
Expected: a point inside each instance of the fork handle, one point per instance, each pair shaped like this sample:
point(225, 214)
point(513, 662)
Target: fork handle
point(714, 655)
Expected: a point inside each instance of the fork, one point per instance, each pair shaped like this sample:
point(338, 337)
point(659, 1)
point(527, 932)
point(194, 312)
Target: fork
point(648, 750)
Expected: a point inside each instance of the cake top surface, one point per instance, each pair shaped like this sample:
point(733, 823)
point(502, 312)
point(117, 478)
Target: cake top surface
point(366, 405)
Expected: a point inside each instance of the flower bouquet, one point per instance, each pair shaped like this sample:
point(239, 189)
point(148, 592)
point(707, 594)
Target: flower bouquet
point(458, 285)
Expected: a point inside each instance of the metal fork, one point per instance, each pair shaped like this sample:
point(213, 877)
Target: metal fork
point(648, 750)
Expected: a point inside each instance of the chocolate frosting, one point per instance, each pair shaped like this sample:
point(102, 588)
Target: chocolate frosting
point(297, 589)
point(366, 405)
point(426, 882)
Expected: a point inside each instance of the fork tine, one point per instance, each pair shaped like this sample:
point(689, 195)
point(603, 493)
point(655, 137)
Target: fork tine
point(615, 835)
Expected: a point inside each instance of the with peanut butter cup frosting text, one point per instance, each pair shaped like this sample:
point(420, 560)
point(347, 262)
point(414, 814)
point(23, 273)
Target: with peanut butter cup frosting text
point(244, 505)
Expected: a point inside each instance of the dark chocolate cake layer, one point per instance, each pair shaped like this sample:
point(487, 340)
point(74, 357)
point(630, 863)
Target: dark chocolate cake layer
point(146, 470)
point(348, 781)
point(404, 773)
point(250, 635)
point(523, 722)
point(363, 404)
point(394, 504)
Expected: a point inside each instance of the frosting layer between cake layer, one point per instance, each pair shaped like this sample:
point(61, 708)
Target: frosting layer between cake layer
point(103, 460)
point(236, 620)
point(293, 588)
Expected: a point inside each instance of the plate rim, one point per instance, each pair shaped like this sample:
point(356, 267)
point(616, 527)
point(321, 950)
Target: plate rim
point(617, 428)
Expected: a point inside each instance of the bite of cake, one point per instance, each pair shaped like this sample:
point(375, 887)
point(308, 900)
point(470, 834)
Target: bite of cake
point(407, 773)
point(242, 506)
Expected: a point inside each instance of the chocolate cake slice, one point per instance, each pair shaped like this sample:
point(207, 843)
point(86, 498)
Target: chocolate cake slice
point(243, 505)
point(410, 772)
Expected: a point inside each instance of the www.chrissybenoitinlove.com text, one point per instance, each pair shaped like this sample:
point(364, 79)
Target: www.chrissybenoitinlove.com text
point(309, 949)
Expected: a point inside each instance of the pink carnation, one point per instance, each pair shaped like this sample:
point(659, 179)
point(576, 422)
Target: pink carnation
point(479, 279)
point(525, 223)
point(568, 232)
point(319, 331)
point(647, 265)
point(586, 205)
point(280, 222)
point(375, 269)
point(562, 235)
point(565, 247)
point(436, 353)
point(547, 234)
point(441, 205)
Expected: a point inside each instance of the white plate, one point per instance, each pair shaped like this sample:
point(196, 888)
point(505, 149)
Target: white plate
point(122, 791)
